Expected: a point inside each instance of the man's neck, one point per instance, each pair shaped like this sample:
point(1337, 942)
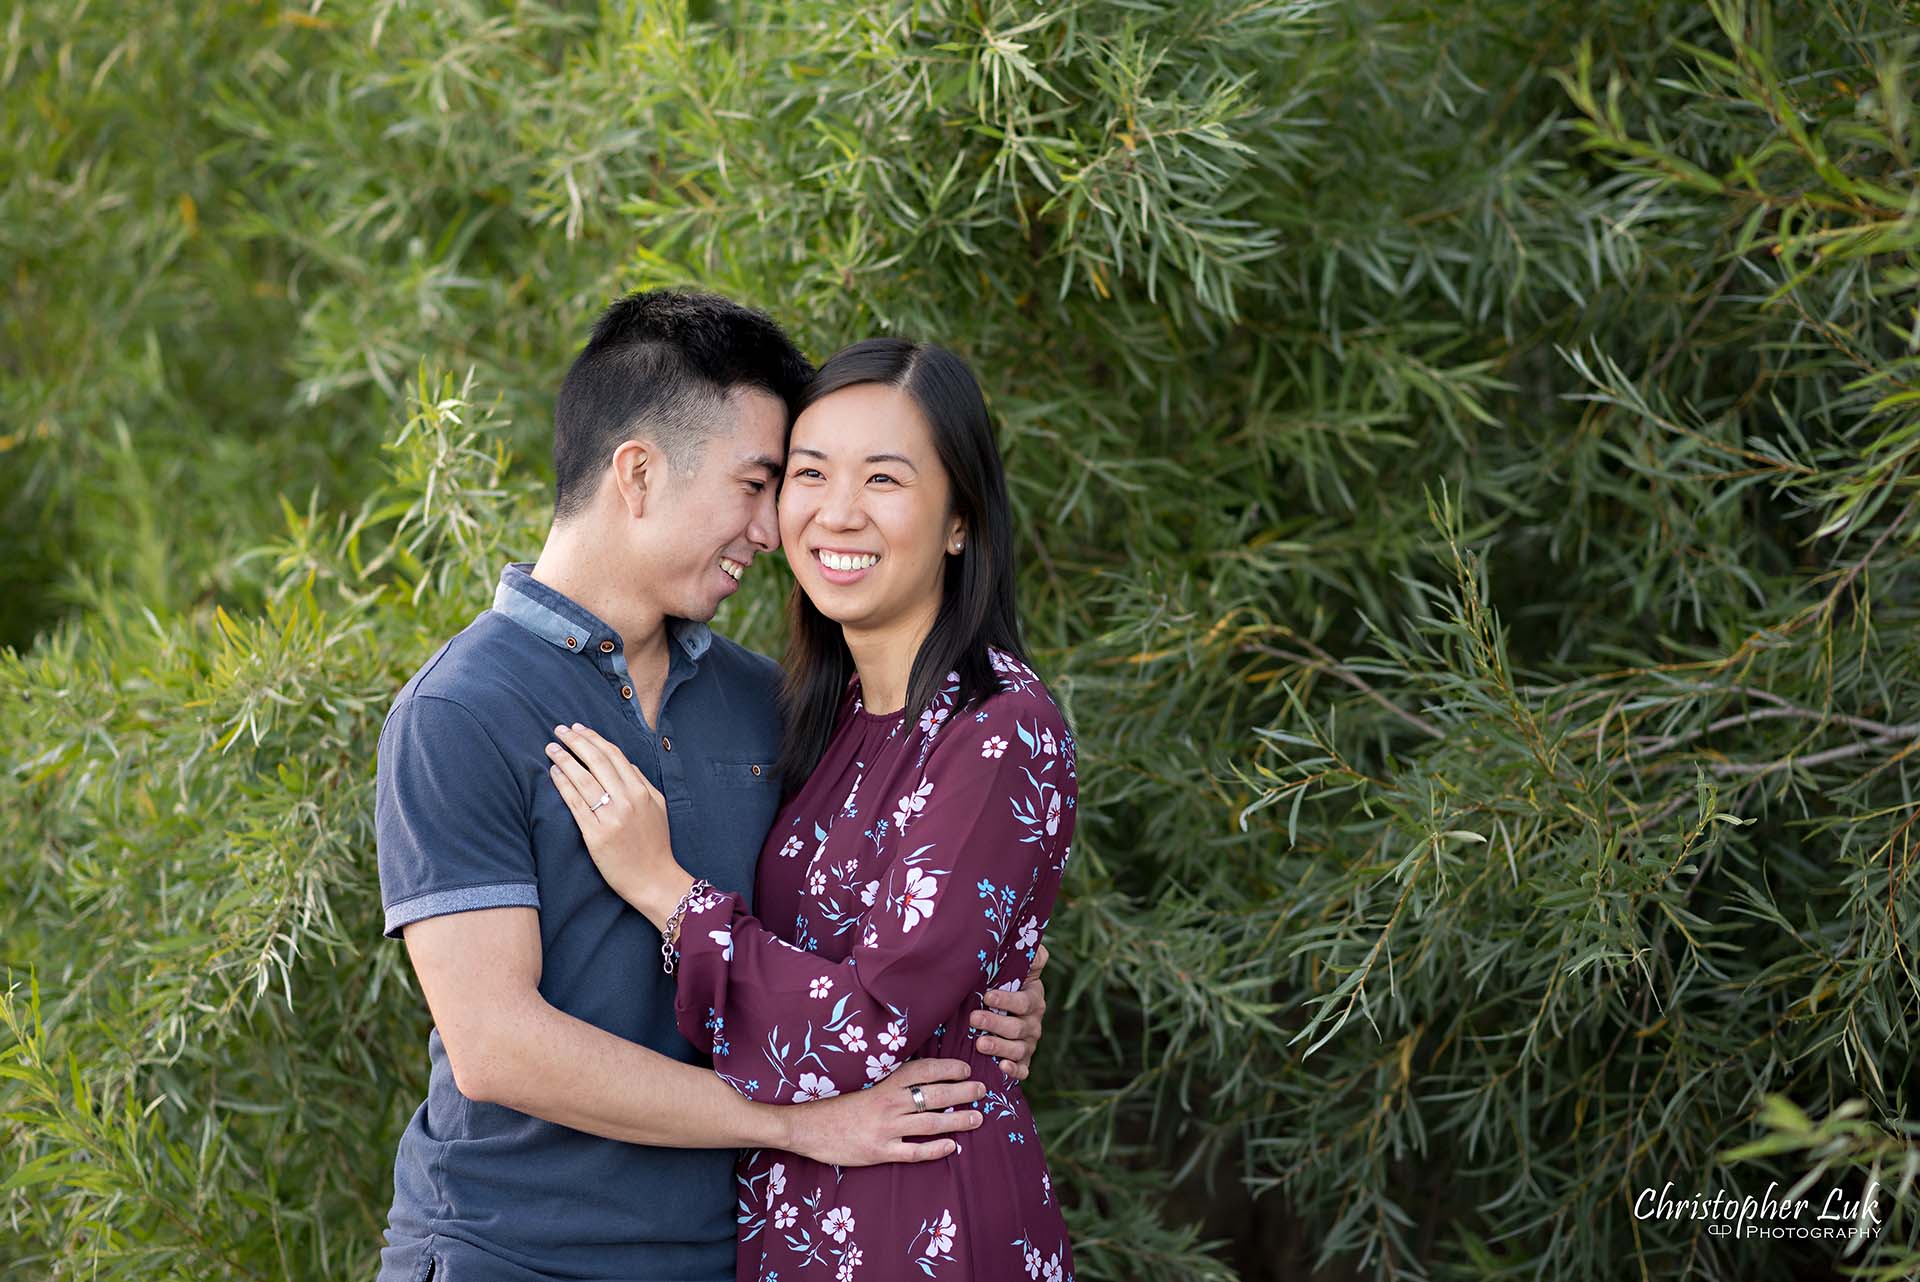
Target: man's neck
point(571, 565)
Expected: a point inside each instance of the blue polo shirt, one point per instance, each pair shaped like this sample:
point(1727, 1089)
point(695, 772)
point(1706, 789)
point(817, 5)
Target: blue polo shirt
point(467, 818)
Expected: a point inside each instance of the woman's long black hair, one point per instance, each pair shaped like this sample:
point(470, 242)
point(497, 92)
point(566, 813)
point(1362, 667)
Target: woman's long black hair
point(977, 607)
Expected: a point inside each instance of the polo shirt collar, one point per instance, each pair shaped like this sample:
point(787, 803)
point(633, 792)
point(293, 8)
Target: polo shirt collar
point(563, 622)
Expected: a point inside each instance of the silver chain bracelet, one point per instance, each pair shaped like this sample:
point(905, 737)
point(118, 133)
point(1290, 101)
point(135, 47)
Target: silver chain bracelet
point(670, 937)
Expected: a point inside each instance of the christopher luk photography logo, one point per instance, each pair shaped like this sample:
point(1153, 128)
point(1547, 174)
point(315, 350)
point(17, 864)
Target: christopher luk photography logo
point(1833, 1213)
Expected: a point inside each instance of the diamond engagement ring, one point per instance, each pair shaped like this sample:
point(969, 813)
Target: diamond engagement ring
point(605, 797)
point(919, 1098)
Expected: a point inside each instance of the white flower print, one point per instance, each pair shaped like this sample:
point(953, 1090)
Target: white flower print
point(932, 719)
point(848, 1263)
point(994, 747)
point(814, 1086)
point(1053, 814)
point(920, 890)
point(1046, 740)
point(724, 938)
point(891, 1037)
point(878, 1066)
point(777, 1180)
point(868, 891)
point(817, 883)
point(1033, 1261)
point(785, 1216)
point(854, 1038)
point(790, 848)
point(839, 1222)
point(1046, 1188)
point(1052, 1273)
point(941, 1240)
point(820, 986)
point(912, 804)
point(870, 937)
point(1029, 933)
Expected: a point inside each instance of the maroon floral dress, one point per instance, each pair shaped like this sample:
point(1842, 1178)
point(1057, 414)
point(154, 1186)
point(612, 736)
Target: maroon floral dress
point(915, 869)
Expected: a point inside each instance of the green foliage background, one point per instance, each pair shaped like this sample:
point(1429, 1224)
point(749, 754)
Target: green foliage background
point(1465, 456)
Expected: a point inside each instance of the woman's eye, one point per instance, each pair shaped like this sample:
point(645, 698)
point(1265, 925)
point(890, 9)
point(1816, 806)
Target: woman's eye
point(803, 473)
point(882, 476)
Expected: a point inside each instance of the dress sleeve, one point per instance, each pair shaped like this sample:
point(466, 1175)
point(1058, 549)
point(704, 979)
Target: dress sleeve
point(979, 846)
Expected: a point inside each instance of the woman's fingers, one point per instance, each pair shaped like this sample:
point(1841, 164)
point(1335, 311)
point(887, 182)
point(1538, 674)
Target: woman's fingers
point(584, 781)
point(593, 753)
point(608, 762)
point(570, 794)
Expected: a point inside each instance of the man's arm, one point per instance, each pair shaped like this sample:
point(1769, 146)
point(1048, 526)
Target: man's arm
point(480, 972)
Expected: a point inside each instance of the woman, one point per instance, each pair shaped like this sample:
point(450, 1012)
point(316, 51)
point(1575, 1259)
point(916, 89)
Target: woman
point(915, 862)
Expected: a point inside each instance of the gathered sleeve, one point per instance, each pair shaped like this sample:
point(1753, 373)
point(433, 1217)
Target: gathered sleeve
point(979, 844)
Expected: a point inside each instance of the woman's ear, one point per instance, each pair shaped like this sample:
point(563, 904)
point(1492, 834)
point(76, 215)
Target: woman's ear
point(636, 475)
point(956, 536)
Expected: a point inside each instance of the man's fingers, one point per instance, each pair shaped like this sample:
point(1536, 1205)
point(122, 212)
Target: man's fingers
point(957, 1122)
point(1027, 1001)
point(918, 1072)
point(997, 1025)
point(1039, 964)
point(944, 1095)
point(910, 1151)
point(1004, 1048)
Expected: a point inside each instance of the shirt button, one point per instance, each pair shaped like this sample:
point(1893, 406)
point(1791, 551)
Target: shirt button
point(606, 647)
point(666, 743)
point(573, 643)
point(756, 770)
point(626, 692)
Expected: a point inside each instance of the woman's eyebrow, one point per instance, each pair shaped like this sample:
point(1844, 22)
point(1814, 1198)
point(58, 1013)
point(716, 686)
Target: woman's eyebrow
point(871, 458)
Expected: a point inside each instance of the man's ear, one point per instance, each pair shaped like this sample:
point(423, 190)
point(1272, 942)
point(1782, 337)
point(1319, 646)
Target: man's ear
point(637, 473)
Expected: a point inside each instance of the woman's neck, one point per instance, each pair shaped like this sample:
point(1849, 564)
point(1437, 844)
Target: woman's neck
point(884, 657)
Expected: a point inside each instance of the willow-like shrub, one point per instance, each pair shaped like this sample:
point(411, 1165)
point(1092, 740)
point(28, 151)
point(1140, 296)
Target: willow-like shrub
point(1465, 461)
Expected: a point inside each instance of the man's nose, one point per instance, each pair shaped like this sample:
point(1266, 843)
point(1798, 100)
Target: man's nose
point(763, 531)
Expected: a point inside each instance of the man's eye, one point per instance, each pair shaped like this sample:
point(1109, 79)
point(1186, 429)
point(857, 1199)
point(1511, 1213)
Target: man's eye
point(756, 487)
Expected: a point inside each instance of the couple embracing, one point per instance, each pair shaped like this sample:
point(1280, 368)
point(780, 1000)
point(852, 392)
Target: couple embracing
point(672, 904)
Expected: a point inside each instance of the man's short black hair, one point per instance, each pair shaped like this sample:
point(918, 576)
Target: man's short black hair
point(660, 364)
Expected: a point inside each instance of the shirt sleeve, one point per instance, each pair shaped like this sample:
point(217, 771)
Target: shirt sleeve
point(979, 846)
point(450, 817)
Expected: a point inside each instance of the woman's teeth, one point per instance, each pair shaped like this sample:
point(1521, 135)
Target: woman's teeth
point(733, 567)
point(836, 561)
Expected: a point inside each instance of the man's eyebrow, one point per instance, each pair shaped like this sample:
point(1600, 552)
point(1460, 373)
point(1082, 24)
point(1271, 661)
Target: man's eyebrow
point(766, 462)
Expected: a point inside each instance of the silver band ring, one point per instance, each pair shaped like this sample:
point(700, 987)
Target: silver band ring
point(605, 797)
point(919, 1098)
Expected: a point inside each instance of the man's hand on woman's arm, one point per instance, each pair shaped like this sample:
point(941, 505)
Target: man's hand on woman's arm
point(480, 972)
point(1013, 1022)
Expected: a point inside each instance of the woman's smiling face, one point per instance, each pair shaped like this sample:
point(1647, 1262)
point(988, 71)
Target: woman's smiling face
point(865, 509)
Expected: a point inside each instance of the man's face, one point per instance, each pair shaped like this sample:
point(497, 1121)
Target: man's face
point(717, 517)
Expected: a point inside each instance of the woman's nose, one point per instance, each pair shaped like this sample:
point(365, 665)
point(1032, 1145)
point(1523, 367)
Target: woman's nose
point(841, 509)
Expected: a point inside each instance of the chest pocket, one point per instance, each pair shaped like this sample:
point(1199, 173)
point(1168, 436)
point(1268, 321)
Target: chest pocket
point(749, 789)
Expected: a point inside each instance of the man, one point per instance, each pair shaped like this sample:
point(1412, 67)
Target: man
point(569, 1131)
